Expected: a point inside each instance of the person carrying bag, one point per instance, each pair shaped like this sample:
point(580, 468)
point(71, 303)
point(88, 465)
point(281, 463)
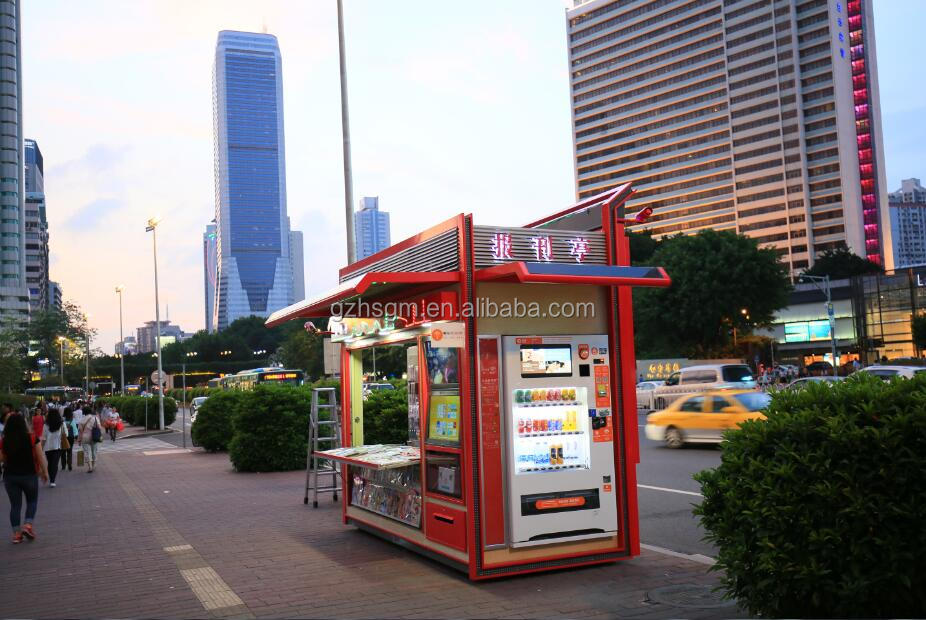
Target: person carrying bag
point(24, 463)
point(89, 438)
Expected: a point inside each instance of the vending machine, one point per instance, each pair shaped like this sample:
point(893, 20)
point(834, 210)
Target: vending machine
point(561, 481)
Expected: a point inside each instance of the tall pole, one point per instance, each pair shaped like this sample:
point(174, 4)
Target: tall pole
point(87, 379)
point(61, 362)
point(119, 290)
point(153, 227)
point(345, 133)
point(183, 409)
point(831, 315)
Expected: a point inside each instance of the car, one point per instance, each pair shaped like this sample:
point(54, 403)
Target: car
point(645, 398)
point(195, 404)
point(887, 372)
point(803, 381)
point(369, 388)
point(820, 368)
point(697, 379)
point(703, 417)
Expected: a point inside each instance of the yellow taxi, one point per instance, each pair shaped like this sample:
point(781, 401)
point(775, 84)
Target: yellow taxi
point(702, 418)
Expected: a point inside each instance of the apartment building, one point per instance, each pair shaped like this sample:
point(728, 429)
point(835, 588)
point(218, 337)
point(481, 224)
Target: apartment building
point(758, 116)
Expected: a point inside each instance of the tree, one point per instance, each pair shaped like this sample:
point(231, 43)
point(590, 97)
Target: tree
point(304, 351)
point(13, 349)
point(840, 263)
point(716, 275)
point(642, 246)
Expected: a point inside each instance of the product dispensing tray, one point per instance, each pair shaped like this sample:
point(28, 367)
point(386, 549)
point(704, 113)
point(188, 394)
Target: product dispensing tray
point(379, 456)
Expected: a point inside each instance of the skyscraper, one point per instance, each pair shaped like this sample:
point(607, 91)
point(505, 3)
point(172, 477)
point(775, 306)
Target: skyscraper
point(210, 273)
point(754, 116)
point(55, 298)
point(908, 223)
point(14, 294)
point(371, 228)
point(252, 227)
point(297, 265)
point(36, 228)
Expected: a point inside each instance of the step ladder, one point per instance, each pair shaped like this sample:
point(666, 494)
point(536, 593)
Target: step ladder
point(325, 414)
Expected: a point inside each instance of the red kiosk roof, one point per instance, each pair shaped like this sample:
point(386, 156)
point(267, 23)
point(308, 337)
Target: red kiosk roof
point(565, 273)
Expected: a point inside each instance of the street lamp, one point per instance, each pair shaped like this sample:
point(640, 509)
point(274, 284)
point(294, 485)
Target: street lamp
point(823, 284)
point(61, 340)
point(152, 227)
point(189, 354)
point(119, 290)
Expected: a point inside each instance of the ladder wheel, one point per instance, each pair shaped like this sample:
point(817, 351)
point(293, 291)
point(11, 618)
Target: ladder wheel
point(335, 497)
point(315, 504)
point(305, 500)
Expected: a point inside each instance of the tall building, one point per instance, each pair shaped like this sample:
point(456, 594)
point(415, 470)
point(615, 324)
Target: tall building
point(210, 273)
point(371, 228)
point(297, 264)
point(127, 346)
point(252, 228)
point(55, 298)
point(760, 117)
point(147, 336)
point(36, 228)
point(908, 223)
point(14, 294)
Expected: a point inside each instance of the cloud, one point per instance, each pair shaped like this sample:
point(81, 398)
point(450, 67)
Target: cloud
point(91, 216)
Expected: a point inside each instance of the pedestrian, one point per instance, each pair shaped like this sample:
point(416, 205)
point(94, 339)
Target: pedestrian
point(54, 438)
point(110, 421)
point(855, 365)
point(67, 454)
point(78, 412)
point(5, 410)
point(89, 436)
point(24, 463)
point(38, 422)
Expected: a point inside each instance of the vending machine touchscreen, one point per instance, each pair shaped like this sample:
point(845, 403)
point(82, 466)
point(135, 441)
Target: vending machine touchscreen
point(561, 469)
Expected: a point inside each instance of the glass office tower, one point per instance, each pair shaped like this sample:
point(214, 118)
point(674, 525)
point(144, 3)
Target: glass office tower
point(252, 227)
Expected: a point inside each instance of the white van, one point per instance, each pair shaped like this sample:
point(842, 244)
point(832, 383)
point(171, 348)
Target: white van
point(695, 379)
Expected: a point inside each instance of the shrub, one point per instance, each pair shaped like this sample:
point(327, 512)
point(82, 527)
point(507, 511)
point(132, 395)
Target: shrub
point(271, 429)
point(818, 511)
point(385, 417)
point(132, 410)
point(17, 400)
point(213, 427)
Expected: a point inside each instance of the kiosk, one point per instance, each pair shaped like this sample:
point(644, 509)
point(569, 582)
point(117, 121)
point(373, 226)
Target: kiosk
point(522, 424)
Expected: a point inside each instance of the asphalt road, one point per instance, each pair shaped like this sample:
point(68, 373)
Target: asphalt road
point(667, 493)
point(666, 490)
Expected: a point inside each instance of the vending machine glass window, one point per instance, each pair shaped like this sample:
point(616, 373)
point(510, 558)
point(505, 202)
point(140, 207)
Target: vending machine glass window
point(444, 474)
point(444, 418)
point(552, 429)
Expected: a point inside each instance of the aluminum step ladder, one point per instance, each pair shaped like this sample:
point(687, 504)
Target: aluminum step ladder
point(320, 471)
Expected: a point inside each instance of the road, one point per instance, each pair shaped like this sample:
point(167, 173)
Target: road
point(666, 490)
point(667, 493)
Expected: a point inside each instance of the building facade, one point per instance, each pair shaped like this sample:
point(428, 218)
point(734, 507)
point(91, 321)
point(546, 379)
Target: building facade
point(36, 228)
point(252, 227)
point(908, 223)
point(14, 294)
point(210, 275)
point(55, 297)
point(128, 346)
point(371, 228)
point(297, 264)
point(756, 116)
point(147, 336)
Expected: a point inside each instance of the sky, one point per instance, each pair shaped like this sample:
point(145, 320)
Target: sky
point(455, 107)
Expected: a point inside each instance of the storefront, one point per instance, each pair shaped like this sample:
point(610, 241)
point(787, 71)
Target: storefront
point(884, 307)
point(521, 444)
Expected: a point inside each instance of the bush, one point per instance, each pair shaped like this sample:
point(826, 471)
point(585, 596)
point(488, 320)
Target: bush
point(17, 400)
point(818, 511)
point(385, 417)
point(213, 427)
point(271, 429)
point(132, 410)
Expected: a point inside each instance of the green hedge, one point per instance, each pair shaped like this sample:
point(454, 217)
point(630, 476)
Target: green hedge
point(213, 428)
point(270, 429)
point(17, 400)
point(132, 410)
point(385, 416)
point(818, 511)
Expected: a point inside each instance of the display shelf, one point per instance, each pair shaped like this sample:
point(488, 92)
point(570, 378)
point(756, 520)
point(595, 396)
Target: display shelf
point(526, 470)
point(415, 524)
point(549, 434)
point(550, 403)
point(378, 456)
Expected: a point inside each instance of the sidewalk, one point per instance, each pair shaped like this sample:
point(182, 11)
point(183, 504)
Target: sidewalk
point(169, 533)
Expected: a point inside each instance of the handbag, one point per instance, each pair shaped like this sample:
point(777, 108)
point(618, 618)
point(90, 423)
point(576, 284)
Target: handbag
point(80, 458)
point(96, 435)
point(65, 444)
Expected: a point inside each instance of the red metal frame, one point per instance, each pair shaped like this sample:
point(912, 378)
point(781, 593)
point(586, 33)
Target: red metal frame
point(518, 272)
point(621, 193)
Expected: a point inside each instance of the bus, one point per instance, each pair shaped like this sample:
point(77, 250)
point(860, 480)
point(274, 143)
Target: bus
point(247, 379)
point(214, 383)
point(62, 393)
point(133, 389)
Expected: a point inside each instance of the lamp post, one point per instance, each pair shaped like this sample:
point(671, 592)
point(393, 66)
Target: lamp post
point(61, 340)
point(152, 227)
point(823, 284)
point(345, 135)
point(119, 290)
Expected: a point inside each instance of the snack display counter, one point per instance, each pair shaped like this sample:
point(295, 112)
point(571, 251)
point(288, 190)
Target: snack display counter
point(521, 445)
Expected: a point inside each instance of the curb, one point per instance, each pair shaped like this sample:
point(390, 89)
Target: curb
point(148, 434)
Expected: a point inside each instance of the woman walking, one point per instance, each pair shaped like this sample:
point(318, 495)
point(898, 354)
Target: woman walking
point(67, 454)
point(90, 434)
point(38, 421)
point(24, 463)
point(54, 438)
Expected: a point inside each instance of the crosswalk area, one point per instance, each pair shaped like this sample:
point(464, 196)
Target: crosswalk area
point(138, 444)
